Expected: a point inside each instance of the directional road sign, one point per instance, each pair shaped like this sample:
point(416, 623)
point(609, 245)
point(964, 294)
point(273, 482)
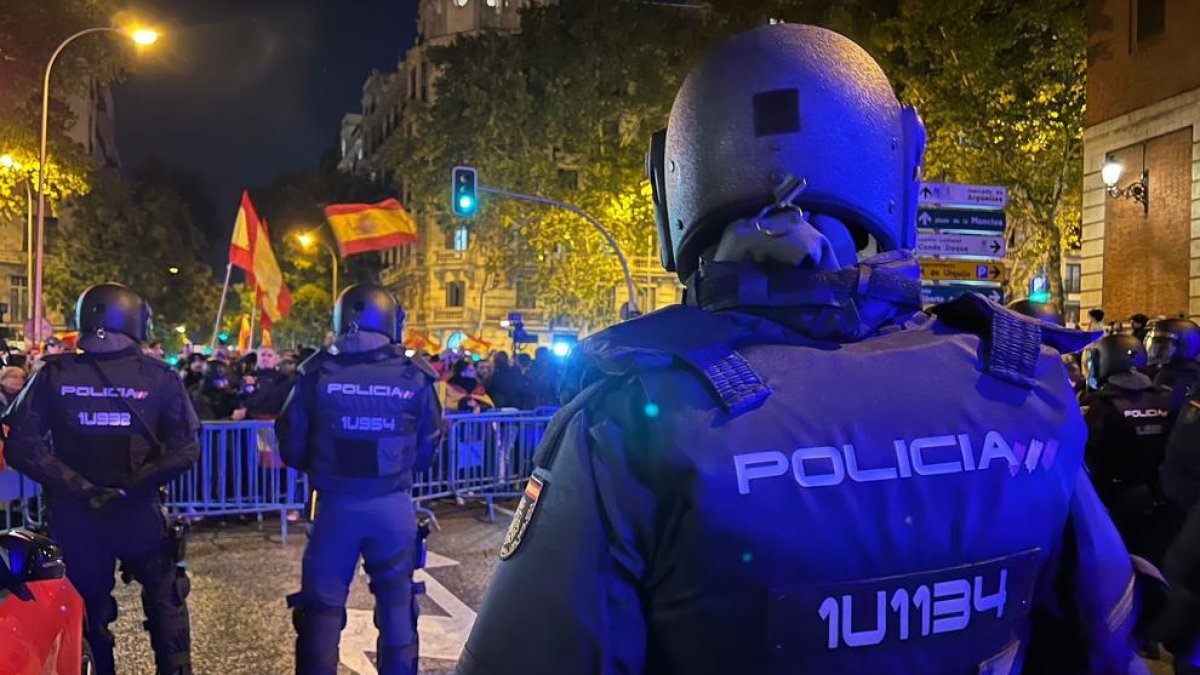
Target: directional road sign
point(963, 270)
point(943, 244)
point(932, 295)
point(958, 194)
point(961, 219)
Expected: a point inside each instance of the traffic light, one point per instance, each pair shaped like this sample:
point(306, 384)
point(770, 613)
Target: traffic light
point(464, 197)
point(223, 337)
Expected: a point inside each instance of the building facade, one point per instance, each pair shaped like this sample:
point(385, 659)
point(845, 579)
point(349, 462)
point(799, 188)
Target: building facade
point(1143, 115)
point(443, 280)
point(94, 129)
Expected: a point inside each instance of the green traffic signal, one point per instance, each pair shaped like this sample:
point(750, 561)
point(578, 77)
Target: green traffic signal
point(464, 187)
point(223, 336)
point(1040, 297)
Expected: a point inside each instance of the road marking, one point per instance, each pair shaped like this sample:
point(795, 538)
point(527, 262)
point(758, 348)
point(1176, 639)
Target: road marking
point(442, 637)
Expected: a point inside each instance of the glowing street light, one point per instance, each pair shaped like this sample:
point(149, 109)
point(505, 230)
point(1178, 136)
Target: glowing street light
point(1111, 172)
point(181, 329)
point(8, 162)
point(307, 241)
point(144, 36)
point(173, 270)
point(141, 36)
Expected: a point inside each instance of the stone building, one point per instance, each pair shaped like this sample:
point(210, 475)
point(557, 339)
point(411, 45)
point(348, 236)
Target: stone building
point(442, 279)
point(1141, 241)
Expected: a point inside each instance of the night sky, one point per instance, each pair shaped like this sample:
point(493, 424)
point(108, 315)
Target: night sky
point(239, 91)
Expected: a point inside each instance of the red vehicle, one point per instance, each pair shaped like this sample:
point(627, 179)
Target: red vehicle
point(41, 614)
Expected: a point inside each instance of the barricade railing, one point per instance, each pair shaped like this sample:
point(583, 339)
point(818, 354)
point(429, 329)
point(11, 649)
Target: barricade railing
point(482, 456)
point(239, 473)
point(489, 455)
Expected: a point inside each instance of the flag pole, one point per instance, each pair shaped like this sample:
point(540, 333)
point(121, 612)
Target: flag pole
point(212, 343)
point(253, 315)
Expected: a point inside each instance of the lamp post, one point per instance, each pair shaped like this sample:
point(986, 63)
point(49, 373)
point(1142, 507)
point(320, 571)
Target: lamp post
point(140, 36)
point(307, 240)
point(7, 162)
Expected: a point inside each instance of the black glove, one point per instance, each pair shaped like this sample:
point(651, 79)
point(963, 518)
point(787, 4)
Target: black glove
point(104, 496)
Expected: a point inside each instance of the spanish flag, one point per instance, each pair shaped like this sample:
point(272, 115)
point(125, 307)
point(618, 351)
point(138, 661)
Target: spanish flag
point(417, 341)
point(273, 294)
point(475, 345)
point(360, 228)
point(245, 229)
point(244, 335)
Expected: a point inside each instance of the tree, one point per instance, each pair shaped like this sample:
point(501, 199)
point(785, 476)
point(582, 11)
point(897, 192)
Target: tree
point(1000, 84)
point(135, 235)
point(29, 33)
point(583, 87)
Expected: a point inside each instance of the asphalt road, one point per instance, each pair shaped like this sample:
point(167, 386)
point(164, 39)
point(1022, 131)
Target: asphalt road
point(240, 576)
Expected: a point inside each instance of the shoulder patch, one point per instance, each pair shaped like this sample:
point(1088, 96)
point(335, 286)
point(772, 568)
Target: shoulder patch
point(517, 529)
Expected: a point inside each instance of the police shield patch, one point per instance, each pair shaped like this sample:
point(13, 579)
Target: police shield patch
point(522, 517)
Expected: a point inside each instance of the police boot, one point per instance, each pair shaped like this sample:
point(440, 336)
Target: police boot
point(396, 613)
point(318, 629)
point(165, 587)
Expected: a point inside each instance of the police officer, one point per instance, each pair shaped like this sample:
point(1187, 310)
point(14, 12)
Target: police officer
point(1172, 346)
point(360, 423)
point(786, 474)
point(102, 431)
point(1129, 420)
point(1039, 310)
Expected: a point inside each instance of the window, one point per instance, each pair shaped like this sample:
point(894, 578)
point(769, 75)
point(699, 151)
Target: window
point(456, 294)
point(1151, 18)
point(526, 295)
point(1071, 315)
point(1072, 279)
point(17, 299)
point(458, 238)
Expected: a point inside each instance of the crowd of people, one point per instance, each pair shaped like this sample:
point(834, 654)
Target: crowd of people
point(226, 386)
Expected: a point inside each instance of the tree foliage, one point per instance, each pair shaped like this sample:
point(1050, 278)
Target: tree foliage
point(583, 86)
point(134, 235)
point(999, 83)
point(29, 33)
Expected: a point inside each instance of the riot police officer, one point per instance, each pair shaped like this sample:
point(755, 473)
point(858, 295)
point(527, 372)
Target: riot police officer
point(782, 475)
point(1039, 310)
point(1172, 346)
point(360, 424)
point(1129, 420)
point(102, 431)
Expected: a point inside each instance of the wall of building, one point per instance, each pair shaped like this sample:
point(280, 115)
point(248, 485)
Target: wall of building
point(1124, 74)
point(1135, 261)
point(1143, 110)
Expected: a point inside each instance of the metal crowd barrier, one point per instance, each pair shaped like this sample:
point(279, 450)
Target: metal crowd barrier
point(239, 473)
point(482, 456)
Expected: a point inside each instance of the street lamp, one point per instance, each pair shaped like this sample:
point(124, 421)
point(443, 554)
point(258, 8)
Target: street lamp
point(9, 164)
point(1138, 191)
point(141, 36)
point(307, 240)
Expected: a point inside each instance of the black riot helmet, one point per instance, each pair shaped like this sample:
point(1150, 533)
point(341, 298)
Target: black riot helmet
point(1042, 311)
point(1171, 340)
point(368, 307)
point(112, 308)
point(215, 371)
point(1112, 355)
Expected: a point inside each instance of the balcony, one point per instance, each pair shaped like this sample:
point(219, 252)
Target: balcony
point(455, 315)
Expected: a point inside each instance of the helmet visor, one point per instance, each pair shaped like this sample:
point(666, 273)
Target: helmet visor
point(1160, 349)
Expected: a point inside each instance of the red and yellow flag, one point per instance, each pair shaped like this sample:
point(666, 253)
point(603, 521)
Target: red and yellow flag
point(273, 294)
point(360, 228)
point(266, 338)
point(475, 345)
point(244, 334)
point(416, 340)
point(245, 228)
